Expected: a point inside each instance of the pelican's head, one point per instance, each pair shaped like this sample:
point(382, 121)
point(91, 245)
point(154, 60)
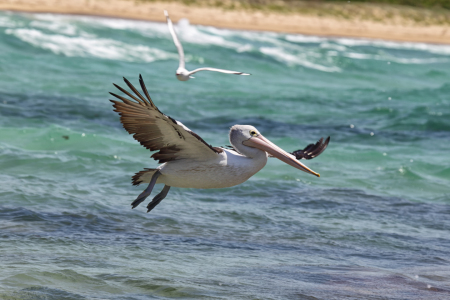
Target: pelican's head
point(247, 139)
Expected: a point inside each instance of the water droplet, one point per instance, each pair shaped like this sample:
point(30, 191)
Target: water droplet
point(411, 160)
point(52, 139)
point(56, 152)
point(372, 134)
point(389, 98)
point(384, 154)
point(352, 126)
point(115, 156)
point(388, 62)
point(429, 286)
point(83, 134)
point(417, 276)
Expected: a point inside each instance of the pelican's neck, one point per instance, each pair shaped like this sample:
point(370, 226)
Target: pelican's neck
point(250, 152)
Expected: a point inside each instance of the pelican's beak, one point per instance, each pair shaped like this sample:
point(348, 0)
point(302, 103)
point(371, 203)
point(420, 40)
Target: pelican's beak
point(264, 144)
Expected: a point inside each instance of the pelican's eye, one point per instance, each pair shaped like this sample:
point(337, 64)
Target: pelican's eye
point(253, 133)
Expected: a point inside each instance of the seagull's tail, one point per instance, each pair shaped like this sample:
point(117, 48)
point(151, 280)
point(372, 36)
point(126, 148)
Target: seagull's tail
point(143, 176)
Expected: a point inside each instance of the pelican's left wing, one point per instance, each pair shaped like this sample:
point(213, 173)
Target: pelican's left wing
point(157, 131)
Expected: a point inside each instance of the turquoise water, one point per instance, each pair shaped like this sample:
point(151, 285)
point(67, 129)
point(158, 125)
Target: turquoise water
point(374, 226)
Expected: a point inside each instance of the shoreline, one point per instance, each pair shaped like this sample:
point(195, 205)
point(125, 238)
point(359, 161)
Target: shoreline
point(241, 19)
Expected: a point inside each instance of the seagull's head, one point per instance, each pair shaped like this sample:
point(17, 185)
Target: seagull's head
point(249, 141)
point(182, 75)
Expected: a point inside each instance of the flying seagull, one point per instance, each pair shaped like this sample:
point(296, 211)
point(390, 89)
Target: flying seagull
point(187, 161)
point(183, 74)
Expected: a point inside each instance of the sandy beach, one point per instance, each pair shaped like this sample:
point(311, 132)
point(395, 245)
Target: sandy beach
point(397, 28)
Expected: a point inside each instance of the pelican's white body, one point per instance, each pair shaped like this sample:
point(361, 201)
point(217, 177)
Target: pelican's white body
point(229, 169)
point(189, 162)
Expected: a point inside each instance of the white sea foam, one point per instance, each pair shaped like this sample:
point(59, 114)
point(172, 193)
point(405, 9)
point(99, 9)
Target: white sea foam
point(69, 39)
point(432, 48)
point(352, 42)
point(146, 28)
point(191, 34)
point(7, 21)
point(63, 28)
point(355, 55)
point(187, 33)
point(390, 58)
point(280, 55)
point(89, 46)
point(299, 38)
point(327, 45)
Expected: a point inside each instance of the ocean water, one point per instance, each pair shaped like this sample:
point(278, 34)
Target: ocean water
point(375, 225)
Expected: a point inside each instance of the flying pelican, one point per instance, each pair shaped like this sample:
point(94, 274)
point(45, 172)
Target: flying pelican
point(187, 161)
point(183, 74)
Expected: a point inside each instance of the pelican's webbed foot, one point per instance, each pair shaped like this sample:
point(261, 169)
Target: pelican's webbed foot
point(147, 191)
point(158, 198)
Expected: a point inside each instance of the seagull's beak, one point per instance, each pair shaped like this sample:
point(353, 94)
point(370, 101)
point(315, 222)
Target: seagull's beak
point(264, 144)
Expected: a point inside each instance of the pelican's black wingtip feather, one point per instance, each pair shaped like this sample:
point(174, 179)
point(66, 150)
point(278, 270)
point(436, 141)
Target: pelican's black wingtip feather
point(142, 99)
point(144, 89)
point(312, 150)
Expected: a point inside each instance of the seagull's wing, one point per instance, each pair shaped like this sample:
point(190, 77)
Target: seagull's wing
point(158, 132)
point(218, 70)
point(312, 150)
point(175, 40)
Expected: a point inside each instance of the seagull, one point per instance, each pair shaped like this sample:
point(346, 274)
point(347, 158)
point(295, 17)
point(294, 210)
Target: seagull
point(183, 74)
point(187, 161)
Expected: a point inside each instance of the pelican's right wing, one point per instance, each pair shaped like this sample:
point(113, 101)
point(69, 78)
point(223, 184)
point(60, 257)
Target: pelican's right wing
point(156, 131)
point(175, 40)
point(312, 150)
point(218, 70)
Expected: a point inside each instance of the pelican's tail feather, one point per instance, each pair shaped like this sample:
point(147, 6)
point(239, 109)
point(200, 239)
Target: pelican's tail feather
point(143, 176)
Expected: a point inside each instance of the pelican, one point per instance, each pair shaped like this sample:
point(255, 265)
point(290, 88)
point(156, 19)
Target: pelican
point(187, 161)
point(183, 74)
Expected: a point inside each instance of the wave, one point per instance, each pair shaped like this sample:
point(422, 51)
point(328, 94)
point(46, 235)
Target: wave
point(400, 60)
point(64, 35)
point(192, 34)
point(431, 48)
point(62, 28)
point(89, 46)
point(186, 32)
point(354, 42)
point(281, 55)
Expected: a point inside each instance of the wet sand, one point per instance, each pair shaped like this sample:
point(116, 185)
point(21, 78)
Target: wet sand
point(394, 28)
